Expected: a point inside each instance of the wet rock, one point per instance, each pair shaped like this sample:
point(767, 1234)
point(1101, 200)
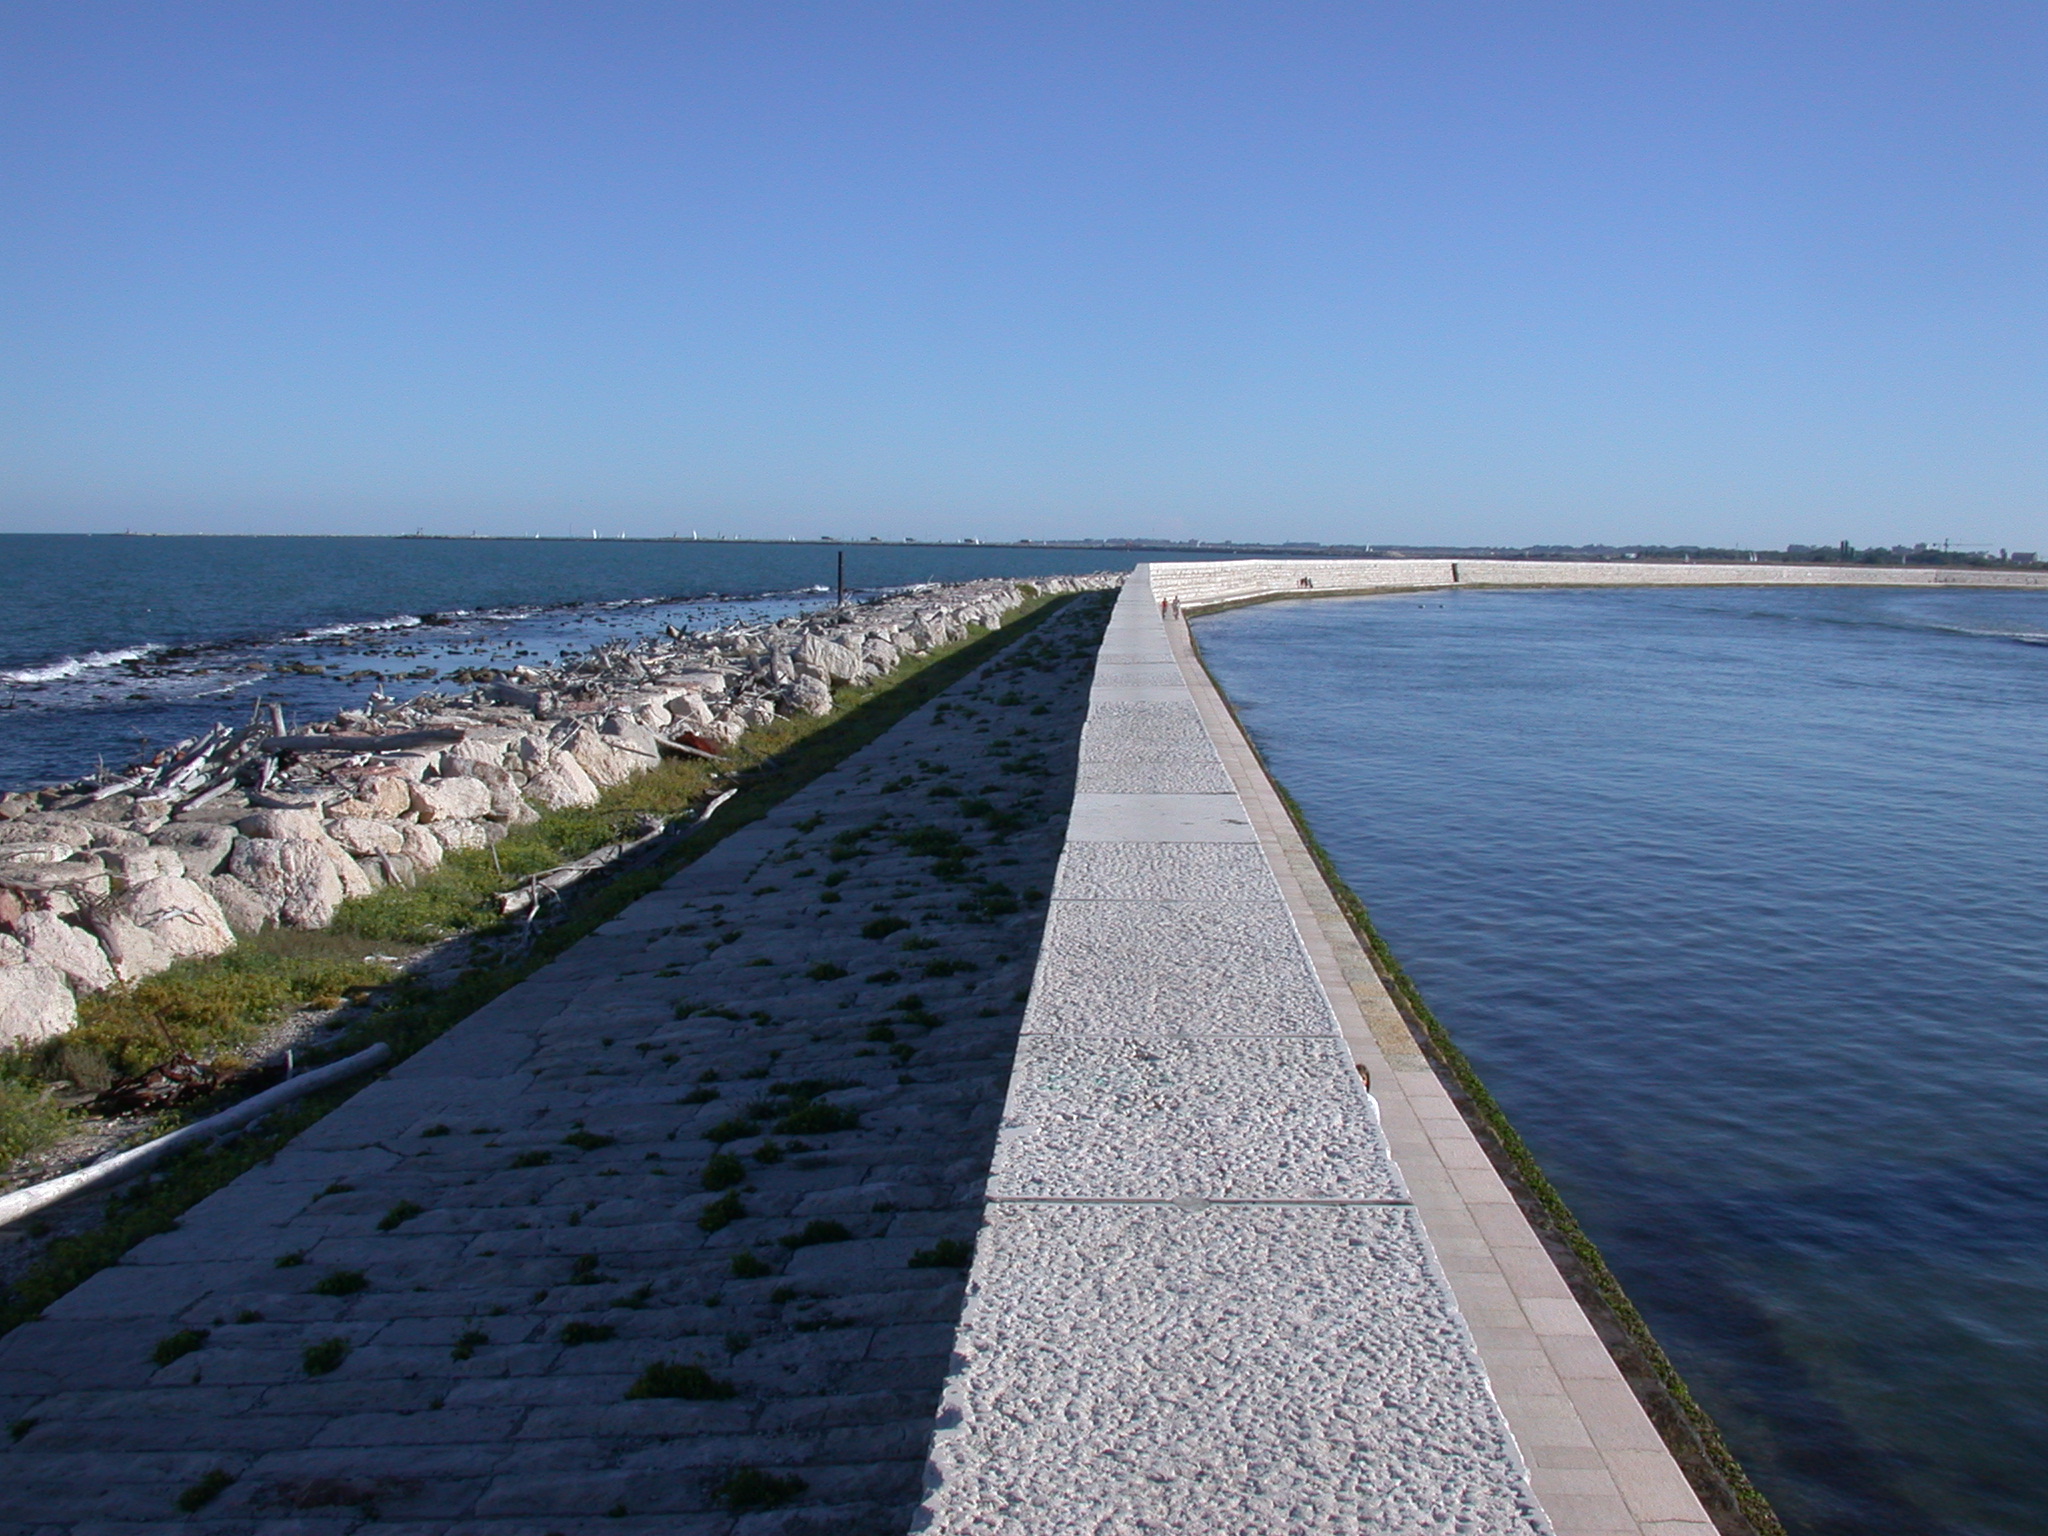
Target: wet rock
point(35, 1003)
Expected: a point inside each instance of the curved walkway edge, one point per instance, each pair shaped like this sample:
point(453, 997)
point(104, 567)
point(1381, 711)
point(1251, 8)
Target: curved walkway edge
point(1220, 1286)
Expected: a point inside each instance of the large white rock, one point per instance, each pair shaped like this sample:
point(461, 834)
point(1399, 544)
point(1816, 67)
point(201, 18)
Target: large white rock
point(605, 759)
point(245, 909)
point(831, 658)
point(560, 784)
point(134, 950)
point(457, 835)
point(482, 746)
point(362, 836)
point(182, 915)
point(202, 847)
point(297, 873)
point(687, 709)
point(48, 940)
point(809, 696)
point(46, 830)
point(451, 799)
point(421, 846)
point(354, 882)
point(698, 682)
point(139, 865)
point(35, 1003)
point(385, 796)
point(283, 824)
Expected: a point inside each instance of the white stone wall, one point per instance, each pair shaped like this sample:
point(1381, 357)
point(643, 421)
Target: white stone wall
point(1197, 583)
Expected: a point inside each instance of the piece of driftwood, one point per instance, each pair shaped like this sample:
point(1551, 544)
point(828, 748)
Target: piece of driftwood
point(397, 741)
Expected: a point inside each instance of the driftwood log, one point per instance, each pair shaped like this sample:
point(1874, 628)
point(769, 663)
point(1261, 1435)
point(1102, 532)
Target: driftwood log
point(397, 741)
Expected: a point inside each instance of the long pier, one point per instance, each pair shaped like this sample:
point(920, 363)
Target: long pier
point(1221, 1286)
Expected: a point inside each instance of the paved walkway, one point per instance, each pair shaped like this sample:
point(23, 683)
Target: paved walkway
point(1206, 1297)
point(444, 1307)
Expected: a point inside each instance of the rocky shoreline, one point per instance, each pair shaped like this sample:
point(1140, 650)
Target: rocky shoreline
point(104, 883)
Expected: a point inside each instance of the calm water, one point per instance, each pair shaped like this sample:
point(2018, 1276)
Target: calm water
point(115, 645)
point(1736, 902)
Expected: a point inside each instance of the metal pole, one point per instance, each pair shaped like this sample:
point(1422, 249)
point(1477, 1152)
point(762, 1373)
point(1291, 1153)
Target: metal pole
point(842, 578)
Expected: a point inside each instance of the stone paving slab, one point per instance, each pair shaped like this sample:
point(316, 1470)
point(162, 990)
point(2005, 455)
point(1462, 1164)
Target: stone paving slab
point(719, 1133)
point(1209, 968)
point(1259, 1119)
point(1164, 872)
point(1159, 818)
point(1242, 1369)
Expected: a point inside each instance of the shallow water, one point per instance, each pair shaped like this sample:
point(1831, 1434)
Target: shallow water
point(113, 646)
point(1735, 901)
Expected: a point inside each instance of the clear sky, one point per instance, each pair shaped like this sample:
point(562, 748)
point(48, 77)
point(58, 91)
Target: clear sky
point(1379, 272)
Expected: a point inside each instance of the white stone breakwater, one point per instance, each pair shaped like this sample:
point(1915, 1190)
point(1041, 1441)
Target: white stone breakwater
point(103, 883)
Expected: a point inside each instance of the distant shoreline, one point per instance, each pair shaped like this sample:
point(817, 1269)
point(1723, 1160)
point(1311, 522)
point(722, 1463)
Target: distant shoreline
point(1843, 555)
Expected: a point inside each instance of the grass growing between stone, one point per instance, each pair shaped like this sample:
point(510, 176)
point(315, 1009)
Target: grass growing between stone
point(411, 1015)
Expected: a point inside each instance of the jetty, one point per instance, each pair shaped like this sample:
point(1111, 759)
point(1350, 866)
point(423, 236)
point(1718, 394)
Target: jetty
point(1006, 1133)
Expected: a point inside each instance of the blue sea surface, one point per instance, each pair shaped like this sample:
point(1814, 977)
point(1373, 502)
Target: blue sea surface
point(113, 646)
point(1738, 902)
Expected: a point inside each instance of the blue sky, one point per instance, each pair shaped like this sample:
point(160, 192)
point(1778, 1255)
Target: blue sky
point(1742, 273)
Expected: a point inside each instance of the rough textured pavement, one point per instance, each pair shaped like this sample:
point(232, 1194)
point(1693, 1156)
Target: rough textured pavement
point(432, 1309)
point(1202, 1300)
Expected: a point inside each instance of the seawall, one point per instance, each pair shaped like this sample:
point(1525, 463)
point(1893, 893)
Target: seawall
point(1200, 584)
point(1220, 1284)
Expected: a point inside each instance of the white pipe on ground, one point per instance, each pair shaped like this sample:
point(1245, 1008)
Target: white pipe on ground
point(120, 1165)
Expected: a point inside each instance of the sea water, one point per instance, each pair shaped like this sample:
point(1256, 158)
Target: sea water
point(112, 647)
point(1738, 901)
